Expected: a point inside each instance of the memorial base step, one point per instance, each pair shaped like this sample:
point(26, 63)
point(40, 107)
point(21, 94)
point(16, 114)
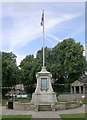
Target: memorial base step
point(43, 107)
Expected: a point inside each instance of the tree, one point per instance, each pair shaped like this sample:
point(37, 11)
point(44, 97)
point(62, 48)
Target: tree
point(69, 61)
point(29, 67)
point(48, 57)
point(9, 70)
point(20, 76)
point(65, 61)
point(0, 74)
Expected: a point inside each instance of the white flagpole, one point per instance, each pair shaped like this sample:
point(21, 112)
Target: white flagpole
point(43, 44)
point(42, 24)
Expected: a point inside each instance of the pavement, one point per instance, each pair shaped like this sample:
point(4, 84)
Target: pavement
point(42, 114)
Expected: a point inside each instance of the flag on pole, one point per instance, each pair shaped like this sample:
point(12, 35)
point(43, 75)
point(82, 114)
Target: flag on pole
point(42, 19)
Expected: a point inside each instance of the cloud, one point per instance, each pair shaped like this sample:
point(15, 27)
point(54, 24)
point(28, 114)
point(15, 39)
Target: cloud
point(54, 37)
point(26, 26)
point(19, 58)
point(22, 24)
point(52, 22)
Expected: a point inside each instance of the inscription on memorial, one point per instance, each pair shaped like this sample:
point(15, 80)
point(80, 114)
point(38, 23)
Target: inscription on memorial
point(44, 84)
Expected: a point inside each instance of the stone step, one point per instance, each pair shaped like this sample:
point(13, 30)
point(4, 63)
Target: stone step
point(44, 108)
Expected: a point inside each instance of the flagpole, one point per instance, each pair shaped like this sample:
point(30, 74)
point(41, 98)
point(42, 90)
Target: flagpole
point(43, 42)
point(42, 24)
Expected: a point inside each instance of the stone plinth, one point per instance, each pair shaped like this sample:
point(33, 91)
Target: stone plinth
point(44, 92)
point(45, 106)
point(44, 98)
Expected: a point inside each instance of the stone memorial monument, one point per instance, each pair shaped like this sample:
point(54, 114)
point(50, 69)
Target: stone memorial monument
point(44, 94)
point(44, 99)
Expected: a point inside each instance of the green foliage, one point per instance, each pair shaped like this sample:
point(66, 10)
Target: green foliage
point(74, 116)
point(26, 100)
point(16, 117)
point(84, 101)
point(9, 70)
point(29, 67)
point(65, 61)
point(69, 61)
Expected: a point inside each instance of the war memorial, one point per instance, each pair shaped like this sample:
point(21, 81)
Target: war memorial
point(44, 98)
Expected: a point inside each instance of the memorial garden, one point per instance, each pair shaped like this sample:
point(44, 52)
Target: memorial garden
point(43, 61)
point(68, 67)
point(65, 61)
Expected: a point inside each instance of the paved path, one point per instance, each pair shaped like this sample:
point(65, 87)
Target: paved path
point(45, 114)
point(56, 114)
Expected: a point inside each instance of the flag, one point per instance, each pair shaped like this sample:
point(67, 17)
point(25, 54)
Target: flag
point(42, 19)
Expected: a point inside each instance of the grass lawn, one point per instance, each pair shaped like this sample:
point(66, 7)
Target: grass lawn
point(17, 100)
point(16, 117)
point(23, 99)
point(85, 101)
point(81, 116)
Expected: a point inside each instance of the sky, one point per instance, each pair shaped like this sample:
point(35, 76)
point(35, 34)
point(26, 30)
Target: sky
point(22, 33)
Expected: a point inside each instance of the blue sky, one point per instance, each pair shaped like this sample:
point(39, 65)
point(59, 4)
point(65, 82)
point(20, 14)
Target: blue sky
point(21, 30)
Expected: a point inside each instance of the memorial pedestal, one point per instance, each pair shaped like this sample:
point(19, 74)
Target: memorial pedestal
point(44, 93)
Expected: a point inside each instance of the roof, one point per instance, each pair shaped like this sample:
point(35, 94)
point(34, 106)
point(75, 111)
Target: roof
point(19, 87)
point(77, 83)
